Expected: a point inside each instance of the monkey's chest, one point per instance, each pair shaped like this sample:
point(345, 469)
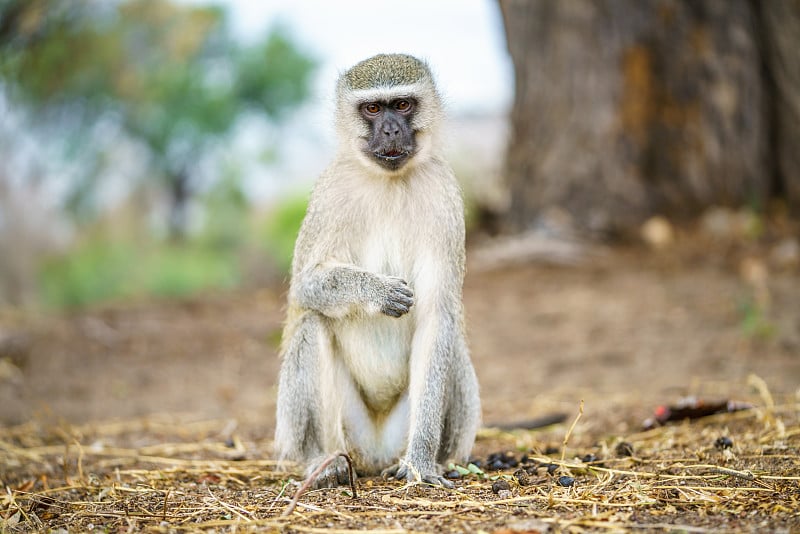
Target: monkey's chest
point(386, 251)
point(377, 349)
point(376, 352)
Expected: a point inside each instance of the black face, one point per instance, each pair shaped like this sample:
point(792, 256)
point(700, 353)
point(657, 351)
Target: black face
point(392, 141)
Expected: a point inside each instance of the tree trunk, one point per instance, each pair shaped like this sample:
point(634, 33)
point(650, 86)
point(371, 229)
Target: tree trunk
point(627, 108)
point(180, 193)
point(780, 28)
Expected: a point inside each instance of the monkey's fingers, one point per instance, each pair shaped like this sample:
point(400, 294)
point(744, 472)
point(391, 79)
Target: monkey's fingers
point(396, 308)
point(404, 290)
point(398, 302)
point(399, 286)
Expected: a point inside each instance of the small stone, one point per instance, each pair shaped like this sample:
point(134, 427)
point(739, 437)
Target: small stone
point(497, 465)
point(657, 232)
point(786, 254)
point(566, 481)
point(505, 494)
point(589, 458)
point(551, 468)
point(522, 477)
point(500, 485)
point(452, 474)
point(528, 526)
point(718, 223)
point(624, 449)
point(723, 442)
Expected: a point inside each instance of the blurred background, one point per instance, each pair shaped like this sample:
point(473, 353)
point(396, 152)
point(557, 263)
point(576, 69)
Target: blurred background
point(156, 157)
point(168, 147)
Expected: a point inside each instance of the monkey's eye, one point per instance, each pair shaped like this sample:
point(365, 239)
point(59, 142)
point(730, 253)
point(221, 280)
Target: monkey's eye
point(372, 108)
point(402, 105)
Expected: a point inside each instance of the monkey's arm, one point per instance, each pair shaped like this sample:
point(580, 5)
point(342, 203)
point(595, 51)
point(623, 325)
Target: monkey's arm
point(433, 353)
point(339, 290)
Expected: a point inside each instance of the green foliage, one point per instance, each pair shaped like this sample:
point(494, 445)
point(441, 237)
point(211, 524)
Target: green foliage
point(755, 323)
point(104, 269)
point(280, 230)
point(95, 271)
point(113, 263)
point(227, 215)
point(284, 80)
point(168, 75)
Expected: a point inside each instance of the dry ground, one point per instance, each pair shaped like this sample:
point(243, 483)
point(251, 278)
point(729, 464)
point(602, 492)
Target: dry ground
point(158, 415)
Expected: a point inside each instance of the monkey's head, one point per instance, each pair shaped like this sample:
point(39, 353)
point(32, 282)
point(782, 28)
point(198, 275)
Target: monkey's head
point(388, 109)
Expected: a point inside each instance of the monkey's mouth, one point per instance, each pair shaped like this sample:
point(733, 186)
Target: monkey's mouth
point(392, 155)
point(392, 159)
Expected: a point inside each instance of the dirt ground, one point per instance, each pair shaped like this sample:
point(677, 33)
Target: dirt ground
point(624, 331)
point(628, 325)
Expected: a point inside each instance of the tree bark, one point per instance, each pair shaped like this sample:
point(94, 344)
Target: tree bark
point(780, 27)
point(627, 108)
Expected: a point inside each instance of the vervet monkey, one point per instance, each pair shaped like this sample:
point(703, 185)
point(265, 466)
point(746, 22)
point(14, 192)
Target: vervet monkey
point(375, 361)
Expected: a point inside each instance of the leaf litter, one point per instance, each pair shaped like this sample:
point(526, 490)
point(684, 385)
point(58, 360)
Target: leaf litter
point(169, 474)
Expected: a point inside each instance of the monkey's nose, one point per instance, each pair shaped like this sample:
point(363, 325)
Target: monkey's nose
point(391, 127)
point(391, 130)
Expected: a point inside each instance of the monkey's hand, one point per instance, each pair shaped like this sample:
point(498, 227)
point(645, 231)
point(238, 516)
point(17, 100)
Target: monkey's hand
point(397, 298)
point(405, 470)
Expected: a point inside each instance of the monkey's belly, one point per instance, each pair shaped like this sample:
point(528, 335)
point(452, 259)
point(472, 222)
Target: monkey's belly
point(376, 352)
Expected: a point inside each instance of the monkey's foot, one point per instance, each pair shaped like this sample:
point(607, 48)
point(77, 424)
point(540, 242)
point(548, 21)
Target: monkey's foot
point(404, 470)
point(335, 474)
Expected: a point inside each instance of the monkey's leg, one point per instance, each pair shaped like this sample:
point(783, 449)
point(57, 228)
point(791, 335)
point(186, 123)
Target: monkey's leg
point(309, 424)
point(463, 411)
point(297, 429)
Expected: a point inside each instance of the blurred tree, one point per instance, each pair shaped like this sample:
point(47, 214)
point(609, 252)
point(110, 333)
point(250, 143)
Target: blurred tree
point(169, 76)
point(628, 108)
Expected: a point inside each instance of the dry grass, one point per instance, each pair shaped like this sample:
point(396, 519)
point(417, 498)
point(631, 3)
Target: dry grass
point(166, 475)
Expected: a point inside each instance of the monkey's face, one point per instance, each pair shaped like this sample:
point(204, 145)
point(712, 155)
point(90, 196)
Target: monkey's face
point(392, 140)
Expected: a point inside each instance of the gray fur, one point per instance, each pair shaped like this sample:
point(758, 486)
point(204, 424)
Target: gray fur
point(375, 359)
point(385, 70)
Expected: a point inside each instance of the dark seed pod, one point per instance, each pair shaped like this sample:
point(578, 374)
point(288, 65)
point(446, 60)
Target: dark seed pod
point(500, 485)
point(452, 474)
point(566, 481)
point(624, 449)
point(497, 465)
point(552, 450)
point(723, 442)
point(551, 468)
point(522, 477)
point(589, 458)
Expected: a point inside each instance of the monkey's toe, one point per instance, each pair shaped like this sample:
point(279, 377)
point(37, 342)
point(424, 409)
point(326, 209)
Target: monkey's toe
point(336, 474)
point(403, 471)
point(438, 480)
